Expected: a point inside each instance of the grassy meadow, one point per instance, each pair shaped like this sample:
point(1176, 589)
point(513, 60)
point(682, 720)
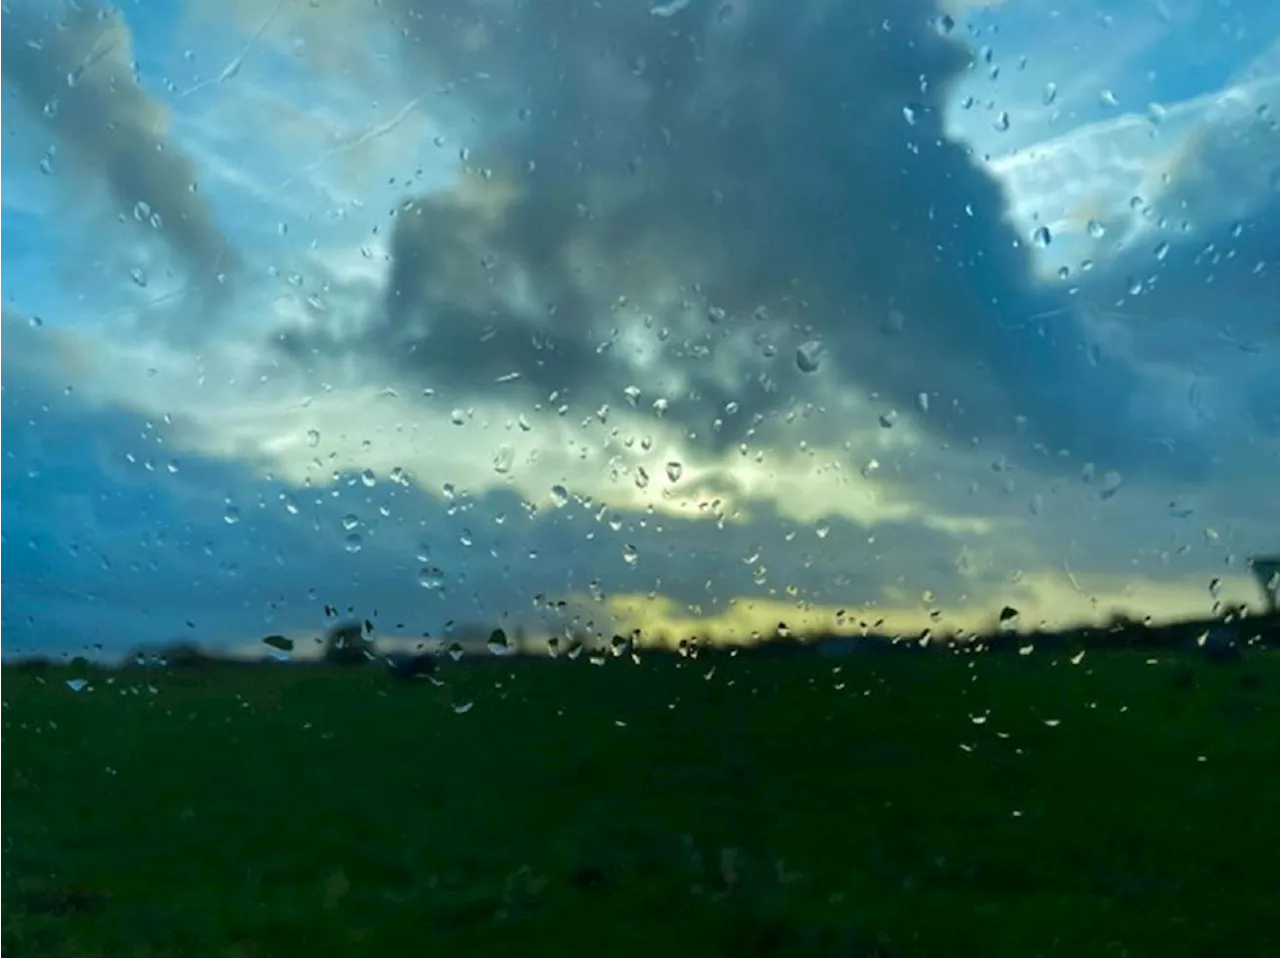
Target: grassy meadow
point(913, 805)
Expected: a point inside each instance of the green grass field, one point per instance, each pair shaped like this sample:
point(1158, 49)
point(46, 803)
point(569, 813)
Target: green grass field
point(909, 805)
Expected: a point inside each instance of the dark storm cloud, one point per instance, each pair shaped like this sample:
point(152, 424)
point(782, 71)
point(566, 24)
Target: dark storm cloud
point(782, 165)
point(71, 65)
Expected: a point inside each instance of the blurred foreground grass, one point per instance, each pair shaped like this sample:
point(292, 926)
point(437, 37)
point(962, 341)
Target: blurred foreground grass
point(899, 805)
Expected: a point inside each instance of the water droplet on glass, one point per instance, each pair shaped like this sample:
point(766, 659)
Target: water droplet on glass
point(458, 417)
point(1042, 237)
point(498, 643)
point(629, 554)
point(353, 543)
point(455, 651)
point(138, 276)
point(809, 356)
point(1111, 482)
point(231, 515)
point(1002, 122)
point(431, 578)
point(909, 113)
point(462, 708)
point(77, 685)
point(559, 496)
point(313, 438)
point(502, 460)
point(369, 478)
point(1050, 94)
point(822, 530)
point(1161, 251)
point(1096, 229)
point(674, 471)
point(279, 643)
point(350, 521)
point(633, 394)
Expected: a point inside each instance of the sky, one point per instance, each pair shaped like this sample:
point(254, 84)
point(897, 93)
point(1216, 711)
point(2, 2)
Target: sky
point(694, 317)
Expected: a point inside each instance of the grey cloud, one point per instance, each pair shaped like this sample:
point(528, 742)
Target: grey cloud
point(71, 65)
point(781, 165)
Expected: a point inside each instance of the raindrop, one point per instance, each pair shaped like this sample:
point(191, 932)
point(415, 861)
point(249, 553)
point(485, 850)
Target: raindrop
point(809, 356)
point(279, 643)
point(455, 651)
point(77, 685)
point(431, 578)
point(1002, 122)
point(350, 521)
point(498, 643)
point(1050, 94)
point(1042, 237)
point(1111, 482)
point(369, 478)
point(1096, 229)
point(559, 496)
point(353, 543)
point(629, 554)
point(633, 395)
point(1161, 250)
point(138, 276)
point(462, 708)
point(458, 417)
point(910, 113)
point(502, 460)
point(313, 438)
point(231, 516)
point(674, 471)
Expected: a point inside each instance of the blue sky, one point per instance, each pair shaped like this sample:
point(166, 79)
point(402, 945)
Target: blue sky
point(594, 318)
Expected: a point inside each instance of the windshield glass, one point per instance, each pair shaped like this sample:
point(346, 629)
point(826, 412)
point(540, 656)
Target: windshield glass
point(415, 335)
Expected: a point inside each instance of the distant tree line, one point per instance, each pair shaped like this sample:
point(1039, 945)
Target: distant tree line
point(350, 644)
